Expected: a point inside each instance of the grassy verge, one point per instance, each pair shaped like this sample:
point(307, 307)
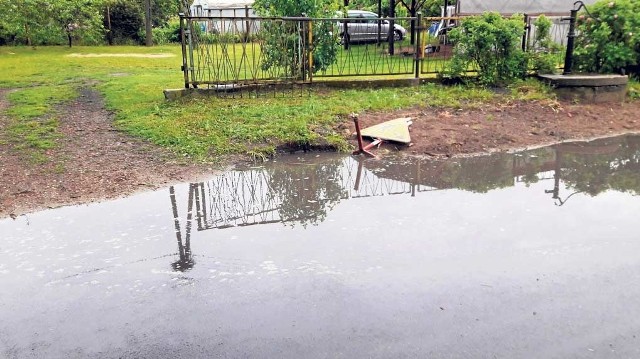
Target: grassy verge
point(32, 127)
point(202, 128)
point(634, 89)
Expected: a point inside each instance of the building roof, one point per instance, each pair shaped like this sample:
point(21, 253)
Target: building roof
point(222, 4)
point(522, 6)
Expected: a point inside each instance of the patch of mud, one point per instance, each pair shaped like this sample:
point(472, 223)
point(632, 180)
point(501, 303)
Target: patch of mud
point(94, 161)
point(507, 126)
point(145, 56)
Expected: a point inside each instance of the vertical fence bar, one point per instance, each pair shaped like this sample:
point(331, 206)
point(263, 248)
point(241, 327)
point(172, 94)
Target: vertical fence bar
point(392, 14)
point(417, 46)
point(185, 69)
point(189, 33)
point(310, 52)
point(524, 33)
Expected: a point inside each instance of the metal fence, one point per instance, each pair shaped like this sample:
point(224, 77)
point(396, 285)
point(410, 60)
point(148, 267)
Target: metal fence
point(267, 54)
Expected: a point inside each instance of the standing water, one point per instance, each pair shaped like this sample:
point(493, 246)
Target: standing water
point(527, 255)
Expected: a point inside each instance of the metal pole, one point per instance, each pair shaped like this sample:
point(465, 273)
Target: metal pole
point(392, 15)
point(568, 59)
point(524, 35)
point(379, 22)
point(183, 40)
point(310, 52)
point(417, 48)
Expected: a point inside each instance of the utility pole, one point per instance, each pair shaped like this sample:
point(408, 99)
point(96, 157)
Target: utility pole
point(147, 13)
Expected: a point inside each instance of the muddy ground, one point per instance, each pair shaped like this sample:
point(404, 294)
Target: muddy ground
point(96, 162)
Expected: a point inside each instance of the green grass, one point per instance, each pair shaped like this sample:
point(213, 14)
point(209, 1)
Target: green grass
point(634, 89)
point(32, 127)
point(203, 128)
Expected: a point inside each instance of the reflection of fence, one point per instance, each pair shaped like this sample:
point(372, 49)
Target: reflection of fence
point(242, 198)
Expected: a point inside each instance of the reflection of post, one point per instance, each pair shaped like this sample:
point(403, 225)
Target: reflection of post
point(186, 261)
point(556, 181)
point(556, 176)
point(356, 187)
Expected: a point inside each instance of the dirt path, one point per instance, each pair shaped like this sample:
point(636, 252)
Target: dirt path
point(93, 162)
point(96, 162)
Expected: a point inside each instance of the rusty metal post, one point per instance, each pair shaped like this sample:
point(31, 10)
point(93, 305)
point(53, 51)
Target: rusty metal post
point(362, 149)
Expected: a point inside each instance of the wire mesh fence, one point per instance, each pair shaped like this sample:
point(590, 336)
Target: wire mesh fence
point(269, 55)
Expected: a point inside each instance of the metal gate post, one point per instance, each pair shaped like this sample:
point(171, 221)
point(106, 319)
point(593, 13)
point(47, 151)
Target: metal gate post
point(418, 49)
point(191, 64)
point(185, 69)
point(310, 51)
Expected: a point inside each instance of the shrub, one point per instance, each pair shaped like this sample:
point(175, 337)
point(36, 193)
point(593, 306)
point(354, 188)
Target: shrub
point(492, 45)
point(280, 40)
point(169, 33)
point(609, 37)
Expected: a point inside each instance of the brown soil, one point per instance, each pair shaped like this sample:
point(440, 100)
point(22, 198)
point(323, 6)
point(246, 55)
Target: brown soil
point(507, 126)
point(97, 162)
point(93, 162)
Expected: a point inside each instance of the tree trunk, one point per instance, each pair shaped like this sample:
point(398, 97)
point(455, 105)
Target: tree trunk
point(109, 33)
point(69, 38)
point(27, 35)
point(147, 11)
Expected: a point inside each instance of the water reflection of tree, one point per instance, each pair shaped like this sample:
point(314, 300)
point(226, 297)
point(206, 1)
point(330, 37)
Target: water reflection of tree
point(600, 171)
point(307, 191)
point(479, 174)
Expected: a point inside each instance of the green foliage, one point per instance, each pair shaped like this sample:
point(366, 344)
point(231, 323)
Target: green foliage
point(433, 7)
point(634, 90)
point(609, 38)
point(41, 22)
point(127, 22)
point(167, 34)
point(545, 54)
point(492, 45)
point(280, 43)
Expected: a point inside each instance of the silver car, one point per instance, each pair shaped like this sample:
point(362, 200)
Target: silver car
point(365, 26)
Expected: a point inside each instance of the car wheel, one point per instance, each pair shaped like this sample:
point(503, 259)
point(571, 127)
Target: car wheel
point(397, 36)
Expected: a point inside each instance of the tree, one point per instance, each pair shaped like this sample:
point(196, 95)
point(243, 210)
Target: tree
point(284, 43)
point(41, 22)
point(126, 20)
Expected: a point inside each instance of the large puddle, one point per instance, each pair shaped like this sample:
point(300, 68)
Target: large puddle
point(535, 254)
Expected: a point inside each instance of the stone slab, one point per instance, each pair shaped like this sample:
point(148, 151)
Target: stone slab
point(595, 80)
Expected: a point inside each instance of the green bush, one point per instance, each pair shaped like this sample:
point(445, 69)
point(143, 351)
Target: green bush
point(280, 45)
point(167, 34)
point(491, 44)
point(609, 37)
